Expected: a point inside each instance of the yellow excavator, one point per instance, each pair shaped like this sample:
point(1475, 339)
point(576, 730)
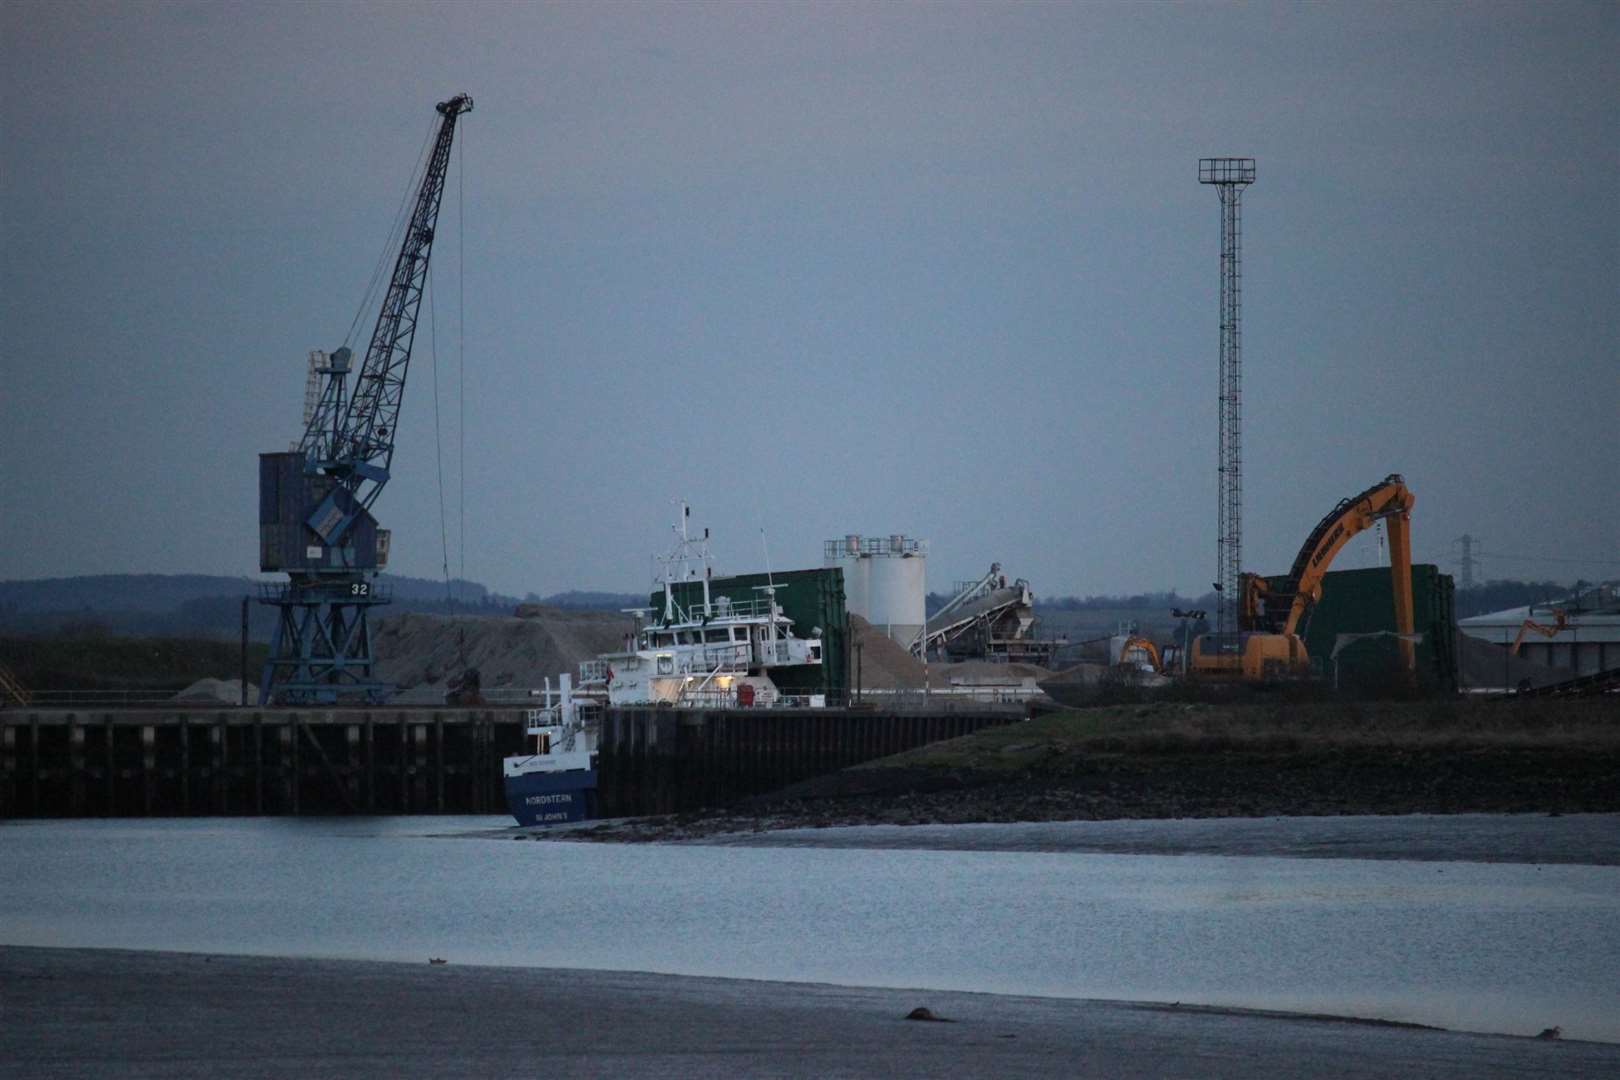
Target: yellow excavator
point(1137, 653)
point(1267, 645)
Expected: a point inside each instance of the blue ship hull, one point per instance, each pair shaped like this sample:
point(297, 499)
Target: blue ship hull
point(548, 798)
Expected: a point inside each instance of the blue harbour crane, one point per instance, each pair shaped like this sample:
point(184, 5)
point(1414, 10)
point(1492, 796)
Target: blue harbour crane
point(315, 521)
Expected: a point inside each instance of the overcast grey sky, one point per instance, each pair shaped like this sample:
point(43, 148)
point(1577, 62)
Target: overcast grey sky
point(936, 269)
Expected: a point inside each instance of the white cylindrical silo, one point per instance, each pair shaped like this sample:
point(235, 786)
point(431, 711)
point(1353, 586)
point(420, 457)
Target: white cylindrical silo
point(896, 596)
point(885, 581)
point(857, 581)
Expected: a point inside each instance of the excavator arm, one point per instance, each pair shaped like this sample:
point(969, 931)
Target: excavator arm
point(1285, 608)
point(1560, 620)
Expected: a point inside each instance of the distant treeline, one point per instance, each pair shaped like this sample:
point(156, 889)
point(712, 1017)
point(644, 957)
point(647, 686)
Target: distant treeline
point(200, 606)
point(576, 600)
point(69, 661)
point(1498, 595)
point(1481, 599)
point(1151, 601)
point(196, 605)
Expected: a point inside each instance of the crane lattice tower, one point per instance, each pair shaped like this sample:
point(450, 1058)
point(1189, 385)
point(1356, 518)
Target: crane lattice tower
point(1230, 176)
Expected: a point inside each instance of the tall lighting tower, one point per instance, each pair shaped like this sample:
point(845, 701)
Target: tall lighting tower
point(1230, 176)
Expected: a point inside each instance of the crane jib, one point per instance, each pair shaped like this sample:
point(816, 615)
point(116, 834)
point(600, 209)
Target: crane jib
point(363, 443)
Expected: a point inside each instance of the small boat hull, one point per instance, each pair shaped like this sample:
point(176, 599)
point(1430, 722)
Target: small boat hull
point(552, 797)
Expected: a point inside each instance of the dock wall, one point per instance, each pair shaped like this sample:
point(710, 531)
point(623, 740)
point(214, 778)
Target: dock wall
point(199, 762)
point(157, 763)
point(664, 761)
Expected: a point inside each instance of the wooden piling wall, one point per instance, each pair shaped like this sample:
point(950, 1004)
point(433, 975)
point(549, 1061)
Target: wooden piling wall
point(194, 762)
point(152, 762)
point(663, 761)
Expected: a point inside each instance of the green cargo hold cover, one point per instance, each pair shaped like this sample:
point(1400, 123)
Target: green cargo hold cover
point(811, 598)
point(1363, 602)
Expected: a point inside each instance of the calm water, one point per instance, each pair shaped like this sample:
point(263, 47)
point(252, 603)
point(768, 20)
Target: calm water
point(1501, 947)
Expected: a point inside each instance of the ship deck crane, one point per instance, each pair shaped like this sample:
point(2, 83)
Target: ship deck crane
point(315, 521)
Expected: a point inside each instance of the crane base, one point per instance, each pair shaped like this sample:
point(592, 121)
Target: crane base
point(320, 653)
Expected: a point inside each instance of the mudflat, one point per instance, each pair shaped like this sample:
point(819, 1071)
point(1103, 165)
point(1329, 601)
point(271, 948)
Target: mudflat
point(108, 1013)
point(1537, 839)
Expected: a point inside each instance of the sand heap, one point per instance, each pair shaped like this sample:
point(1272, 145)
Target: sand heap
point(884, 663)
point(217, 691)
point(1486, 666)
point(420, 650)
point(887, 665)
point(986, 673)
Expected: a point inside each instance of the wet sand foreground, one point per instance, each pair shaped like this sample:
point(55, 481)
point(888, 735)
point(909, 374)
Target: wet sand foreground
point(109, 1013)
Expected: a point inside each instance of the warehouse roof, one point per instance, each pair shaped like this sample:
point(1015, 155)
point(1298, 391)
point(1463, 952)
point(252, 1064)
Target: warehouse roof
point(1590, 616)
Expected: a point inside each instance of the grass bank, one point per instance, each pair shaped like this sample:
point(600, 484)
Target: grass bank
point(1058, 742)
point(1200, 760)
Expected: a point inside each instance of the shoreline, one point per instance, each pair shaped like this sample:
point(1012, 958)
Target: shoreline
point(132, 1013)
point(1529, 839)
point(1171, 761)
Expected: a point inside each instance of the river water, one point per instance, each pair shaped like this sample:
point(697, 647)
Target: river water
point(1506, 947)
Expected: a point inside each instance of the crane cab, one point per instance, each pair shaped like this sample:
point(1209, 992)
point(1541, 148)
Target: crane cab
point(310, 524)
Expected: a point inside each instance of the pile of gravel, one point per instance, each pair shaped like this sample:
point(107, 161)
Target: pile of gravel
point(1485, 666)
point(987, 673)
point(885, 664)
point(423, 650)
point(217, 692)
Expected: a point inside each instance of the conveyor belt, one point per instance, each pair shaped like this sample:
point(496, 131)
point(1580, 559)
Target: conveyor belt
point(1599, 682)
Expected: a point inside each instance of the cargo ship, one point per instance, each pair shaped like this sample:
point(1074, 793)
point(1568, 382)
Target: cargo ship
point(695, 650)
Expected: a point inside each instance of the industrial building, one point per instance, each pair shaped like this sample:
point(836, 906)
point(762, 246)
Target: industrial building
point(1580, 634)
point(990, 619)
point(886, 583)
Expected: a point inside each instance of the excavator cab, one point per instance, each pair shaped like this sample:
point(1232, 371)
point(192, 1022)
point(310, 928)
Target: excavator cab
point(1249, 656)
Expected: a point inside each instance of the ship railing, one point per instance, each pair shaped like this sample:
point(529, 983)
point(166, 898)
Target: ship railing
point(956, 699)
point(873, 545)
point(724, 607)
point(803, 701)
point(710, 697)
point(544, 717)
point(945, 697)
point(714, 697)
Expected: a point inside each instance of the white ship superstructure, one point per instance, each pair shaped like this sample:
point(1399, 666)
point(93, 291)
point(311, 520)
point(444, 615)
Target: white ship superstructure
point(710, 652)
